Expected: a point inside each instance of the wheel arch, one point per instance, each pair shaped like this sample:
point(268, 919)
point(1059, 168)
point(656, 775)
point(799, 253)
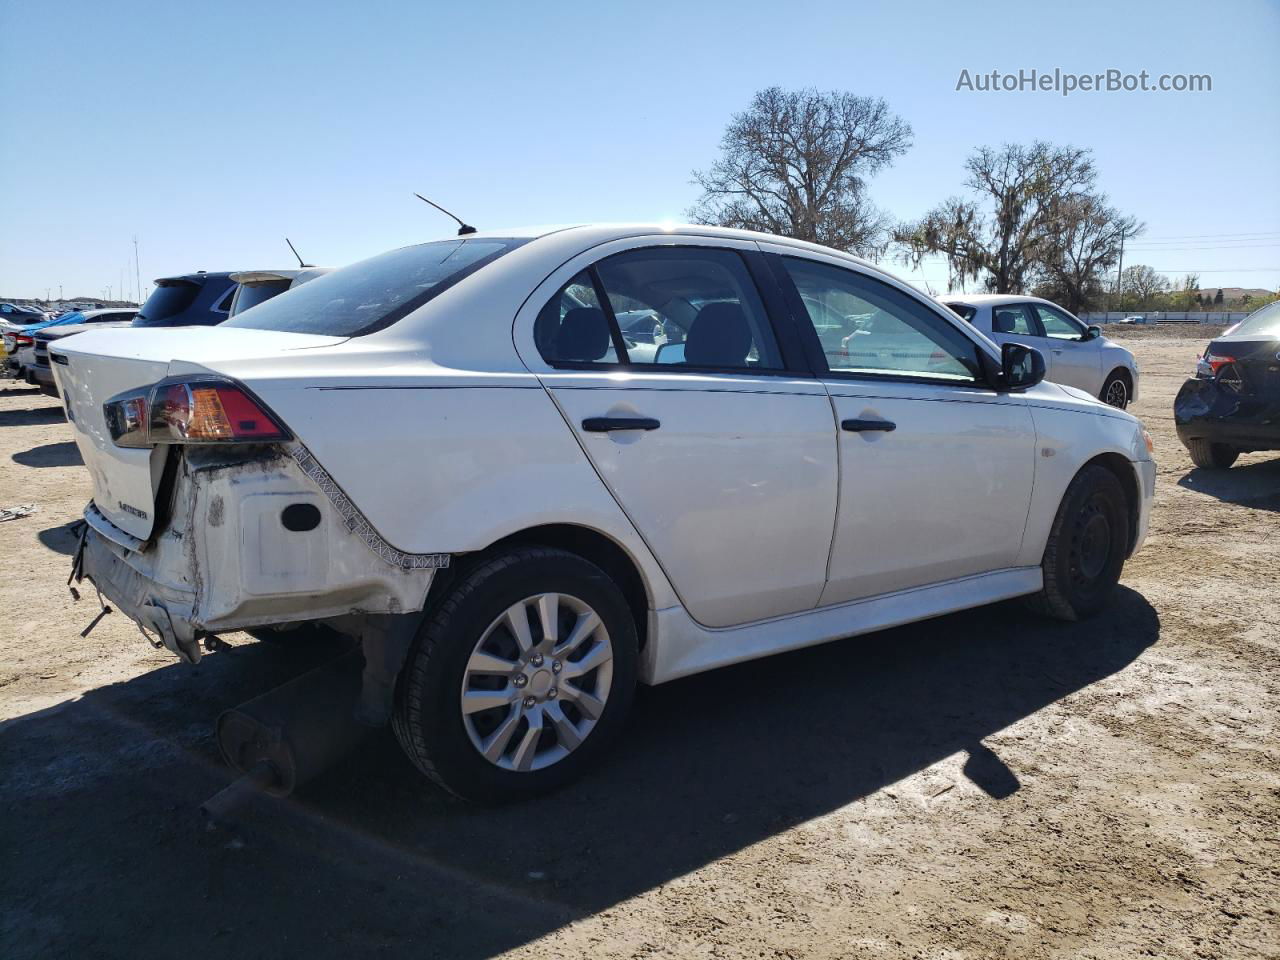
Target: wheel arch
point(1123, 372)
point(586, 542)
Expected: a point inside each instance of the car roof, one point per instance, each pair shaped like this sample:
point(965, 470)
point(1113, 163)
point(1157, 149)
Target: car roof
point(605, 232)
point(101, 310)
point(197, 275)
point(289, 273)
point(992, 299)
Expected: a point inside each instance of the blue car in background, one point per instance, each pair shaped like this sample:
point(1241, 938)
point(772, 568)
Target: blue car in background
point(19, 345)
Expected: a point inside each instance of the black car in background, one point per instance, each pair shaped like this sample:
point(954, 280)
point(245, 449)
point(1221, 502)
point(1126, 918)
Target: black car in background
point(193, 300)
point(1232, 405)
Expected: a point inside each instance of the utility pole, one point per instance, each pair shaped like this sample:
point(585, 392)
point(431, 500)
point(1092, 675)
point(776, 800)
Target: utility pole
point(1120, 272)
point(137, 273)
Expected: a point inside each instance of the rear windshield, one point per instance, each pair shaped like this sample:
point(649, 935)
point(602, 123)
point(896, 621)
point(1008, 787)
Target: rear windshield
point(252, 294)
point(374, 293)
point(167, 301)
point(963, 310)
point(1264, 322)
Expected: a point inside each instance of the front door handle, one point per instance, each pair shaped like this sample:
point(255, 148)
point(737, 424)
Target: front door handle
point(609, 424)
point(868, 426)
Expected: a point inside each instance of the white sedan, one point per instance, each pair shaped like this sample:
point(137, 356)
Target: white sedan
point(454, 452)
point(1078, 355)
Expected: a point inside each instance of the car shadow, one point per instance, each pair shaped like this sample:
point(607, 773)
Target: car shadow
point(32, 416)
point(1254, 485)
point(371, 856)
point(64, 454)
point(61, 539)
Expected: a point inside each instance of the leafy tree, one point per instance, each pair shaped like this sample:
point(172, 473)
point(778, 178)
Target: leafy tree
point(1142, 283)
point(1217, 298)
point(1005, 232)
point(796, 163)
point(1189, 292)
point(1082, 241)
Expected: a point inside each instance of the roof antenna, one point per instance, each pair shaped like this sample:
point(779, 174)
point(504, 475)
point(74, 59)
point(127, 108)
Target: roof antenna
point(463, 228)
point(295, 253)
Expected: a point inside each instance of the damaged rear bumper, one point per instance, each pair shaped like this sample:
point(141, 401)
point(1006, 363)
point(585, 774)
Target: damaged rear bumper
point(1206, 409)
point(257, 539)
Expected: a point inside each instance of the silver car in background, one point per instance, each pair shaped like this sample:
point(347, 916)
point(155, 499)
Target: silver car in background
point(259, 286)
point(1077, 355)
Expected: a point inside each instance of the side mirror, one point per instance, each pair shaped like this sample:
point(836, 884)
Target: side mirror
point(1020, 366)
point(1093, 333)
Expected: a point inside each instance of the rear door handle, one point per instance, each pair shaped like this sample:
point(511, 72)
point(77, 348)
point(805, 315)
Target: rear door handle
point(868, 426)
point(609, 424)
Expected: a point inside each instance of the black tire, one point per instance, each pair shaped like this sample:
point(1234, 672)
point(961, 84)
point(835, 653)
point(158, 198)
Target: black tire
point(1117, 391)
point(1087, 547)
point(1211, 456)
point(427, 719)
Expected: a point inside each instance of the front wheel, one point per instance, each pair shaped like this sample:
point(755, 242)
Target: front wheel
point(1211, 456)
point(1116, 392)
point(520, 679)
point(1087, 547)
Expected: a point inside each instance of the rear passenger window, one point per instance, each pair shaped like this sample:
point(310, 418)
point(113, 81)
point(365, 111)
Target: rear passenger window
point(1012, 318)
point(572, 328)
point(686, 307)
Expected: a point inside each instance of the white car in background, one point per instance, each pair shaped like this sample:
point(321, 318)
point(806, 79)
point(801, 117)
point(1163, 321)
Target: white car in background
point(453, 452)
point(259, 286)
point(1077, 355)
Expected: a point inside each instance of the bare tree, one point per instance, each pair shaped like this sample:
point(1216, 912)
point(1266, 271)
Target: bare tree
point(1082, 240)
point(1142, 283)
point(1004, 235)
point(796, 164)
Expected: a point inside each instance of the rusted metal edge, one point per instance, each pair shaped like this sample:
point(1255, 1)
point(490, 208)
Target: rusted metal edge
point(357, 523)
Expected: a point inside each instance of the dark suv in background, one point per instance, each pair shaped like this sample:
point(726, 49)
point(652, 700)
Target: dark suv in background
point(193, 300)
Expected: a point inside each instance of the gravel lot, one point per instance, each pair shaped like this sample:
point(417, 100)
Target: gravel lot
point(982, 785)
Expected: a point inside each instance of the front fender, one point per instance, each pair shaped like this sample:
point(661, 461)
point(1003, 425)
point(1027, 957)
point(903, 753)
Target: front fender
point(1067, 439)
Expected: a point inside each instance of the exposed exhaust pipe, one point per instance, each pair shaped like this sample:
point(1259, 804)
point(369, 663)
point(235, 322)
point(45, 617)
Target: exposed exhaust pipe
point(287, 736)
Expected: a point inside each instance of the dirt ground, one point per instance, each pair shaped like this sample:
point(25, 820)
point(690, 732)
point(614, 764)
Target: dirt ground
point(982, 785)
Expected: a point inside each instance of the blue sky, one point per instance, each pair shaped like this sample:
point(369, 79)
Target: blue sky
point(212, 131)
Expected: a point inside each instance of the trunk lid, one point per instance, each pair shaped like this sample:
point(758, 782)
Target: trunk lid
point(93, 367)
point(1255, 370)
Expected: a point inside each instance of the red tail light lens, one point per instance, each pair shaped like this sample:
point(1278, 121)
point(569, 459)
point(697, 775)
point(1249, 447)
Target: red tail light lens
point(1216, 362)
point(22, 340)
point(203, 410)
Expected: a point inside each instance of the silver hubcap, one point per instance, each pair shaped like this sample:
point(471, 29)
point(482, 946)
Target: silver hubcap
point(537, 682)
point(1117, 394)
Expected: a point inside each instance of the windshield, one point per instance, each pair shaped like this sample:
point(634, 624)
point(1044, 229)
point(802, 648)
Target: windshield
point(374, 293)
point(965, 311)
point(166, 301)
point(1262, 322)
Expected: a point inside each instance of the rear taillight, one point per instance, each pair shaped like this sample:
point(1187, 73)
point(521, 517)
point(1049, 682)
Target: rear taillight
point(1216, 362)
point(22, 340)
point(190, 410)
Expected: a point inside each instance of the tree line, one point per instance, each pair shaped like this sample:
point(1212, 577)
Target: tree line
point(1032, 219)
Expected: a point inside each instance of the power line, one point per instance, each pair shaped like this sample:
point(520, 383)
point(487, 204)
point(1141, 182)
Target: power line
point(1213, 236)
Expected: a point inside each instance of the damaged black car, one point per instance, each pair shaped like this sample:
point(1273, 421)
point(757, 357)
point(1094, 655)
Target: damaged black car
point(1232, 405)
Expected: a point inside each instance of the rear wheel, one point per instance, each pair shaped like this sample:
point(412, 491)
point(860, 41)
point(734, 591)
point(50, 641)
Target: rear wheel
point(1211, 456)
point(1087, 547)
point(520, 679)
point(1116, 392)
